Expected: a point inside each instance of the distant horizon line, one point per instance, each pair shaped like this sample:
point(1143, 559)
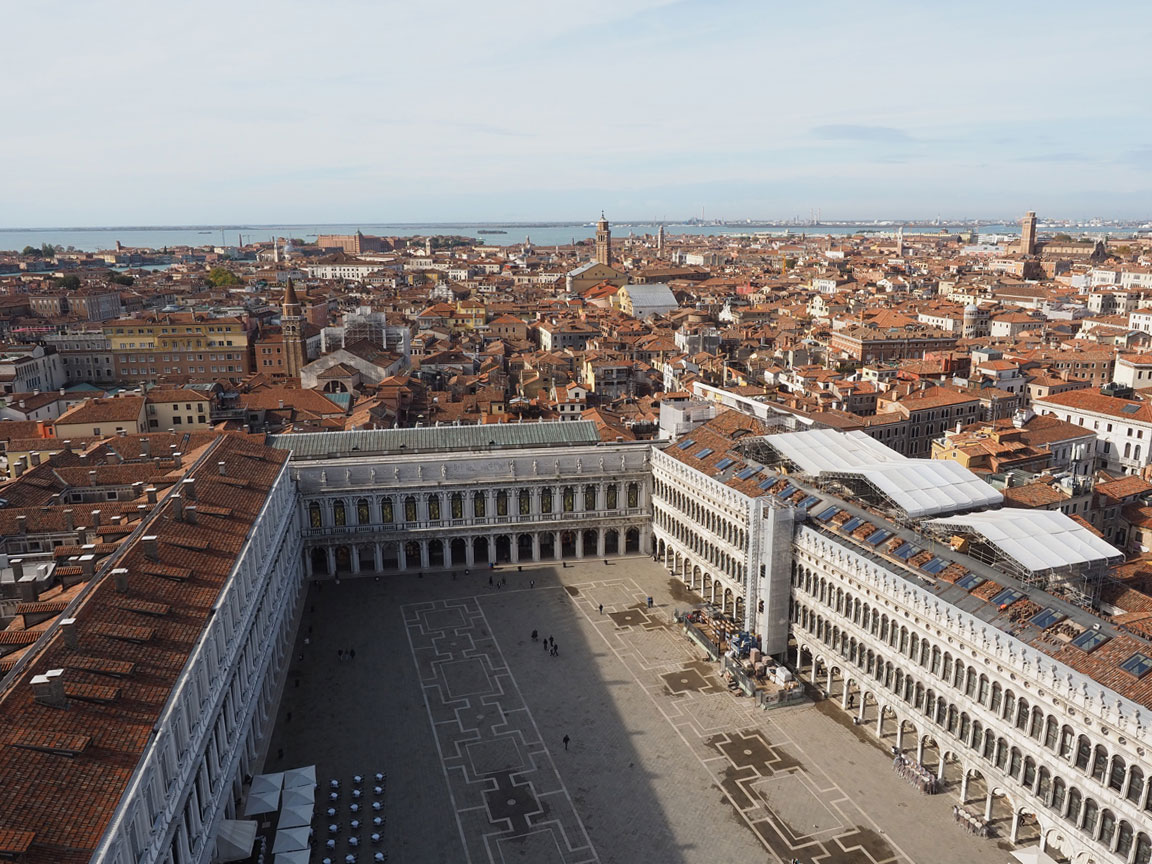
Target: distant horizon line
point(693, 221)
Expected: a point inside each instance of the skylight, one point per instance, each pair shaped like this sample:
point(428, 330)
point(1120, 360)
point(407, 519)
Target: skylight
point(1138, 665)
point(1090, 640)
point(1045, 619)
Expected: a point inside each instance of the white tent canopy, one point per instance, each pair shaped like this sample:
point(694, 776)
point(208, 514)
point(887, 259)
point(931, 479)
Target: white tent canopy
point(266, 782)
point(1037, 540)
point(262, 802)
point(818, 450)
point(235, 839)
point(291, 839)
point(292, 817)
point(926, 487)
point(300, 795)
point(297, 777)
point(298, 856)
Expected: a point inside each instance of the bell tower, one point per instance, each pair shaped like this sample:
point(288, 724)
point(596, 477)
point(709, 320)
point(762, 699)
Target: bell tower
point(603, 242)
point(292, 329)
point(1028, 234)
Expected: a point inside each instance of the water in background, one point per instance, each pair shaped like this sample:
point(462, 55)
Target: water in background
point(542, 234)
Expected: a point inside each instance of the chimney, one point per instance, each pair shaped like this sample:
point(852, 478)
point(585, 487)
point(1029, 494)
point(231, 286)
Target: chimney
point(88, 565)
point(146, 447)
point(68, 445)
point(92, 477)
point(151, 547)
point(221, 468)
point(190, 514)
point(71, 637)
point(178, 460)
point(48, 689)
point(178, 507)
point(27, 590)
point(62, 391)
point(137, 489)
point(281, 403)
point(22, 524)
point(95, 518)
point(17, 565)
point(20, 466)
point(190, 489)
point(35, 454)
point(123, 433)
point(151, 493)
point(120, 579)
point(70, 519)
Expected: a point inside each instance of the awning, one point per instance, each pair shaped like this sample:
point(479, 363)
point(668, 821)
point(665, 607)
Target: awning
point(291, 839)
point(290, 817)
point(297, 777)
point(235, 839)
point(1033, 855)
point(299, 856)
point(262, 802)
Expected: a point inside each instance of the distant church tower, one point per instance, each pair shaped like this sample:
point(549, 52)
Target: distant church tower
point(292, 328)
point(660, 240)
point(603, 242)
point(1028, 234)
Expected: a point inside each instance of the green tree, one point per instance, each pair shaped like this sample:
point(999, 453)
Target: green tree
point(221, 277)
point(31, 250)
point(71, 283)
point(121, 279)
point(47, 250)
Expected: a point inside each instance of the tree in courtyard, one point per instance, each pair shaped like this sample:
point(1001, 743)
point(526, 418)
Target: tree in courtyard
point(221, 277)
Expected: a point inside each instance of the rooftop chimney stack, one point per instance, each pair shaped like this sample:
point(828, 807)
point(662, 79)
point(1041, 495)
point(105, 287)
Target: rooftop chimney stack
point(151, 547)
point(70, 519)
point(68, 445)
point(48, 689)
point(22, 524)
point(92, 477)
point(17, 565)
point(146, 448)
point(178, 460)
point(95, 518)
point(190, 514)
point(220, 466)
point(35, 454)
point(71, 637)
point(178, 507)
point(190, 489)
point(120, 579)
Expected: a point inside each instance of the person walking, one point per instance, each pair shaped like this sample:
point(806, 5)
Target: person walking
point(352, 654)
point(566, 740)
point(533, 635)
point(489, 581)
point(601, 608)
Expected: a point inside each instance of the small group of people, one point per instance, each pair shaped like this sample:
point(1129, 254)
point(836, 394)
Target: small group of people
point(971, 824)
point(497, 583)
point(342, 655)
point(549, 644)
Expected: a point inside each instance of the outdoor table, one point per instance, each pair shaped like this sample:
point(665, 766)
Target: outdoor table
point(355, 824)
point(333, 828)
point(331, 812)
point(379, 777)
point(357, 779)
point(334, 796)
point(355, 793)
point(349, 859)
point(353, 841)
point(377, 821)
point(331, 844)
point(335, 784)
point(375, 838)
point(375, 805)
point(355, 808)
point(378, 790)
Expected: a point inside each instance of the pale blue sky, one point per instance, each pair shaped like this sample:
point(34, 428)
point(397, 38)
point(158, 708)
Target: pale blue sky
point(162, 113)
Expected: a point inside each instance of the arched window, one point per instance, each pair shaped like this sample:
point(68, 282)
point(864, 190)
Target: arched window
point(1099, 763)
point(457, 505)
point(479, 507)
point(1136, 785)
point(363, 512)
point(1116, 776)
point(339, 515)
point(610, 493)
point(1091, 816)
point(633, 495)
point(1083, 752)
point(1107, 827)
point(433, 508)
point(1124, 839)
point(314, 518)
point(1059, 790)
point(589, 497)
point(1075, 799)
point(525, 502)
point(502, 502)
point(410, 508)
point(546, 499)
point(386, 510)
point(569, 499)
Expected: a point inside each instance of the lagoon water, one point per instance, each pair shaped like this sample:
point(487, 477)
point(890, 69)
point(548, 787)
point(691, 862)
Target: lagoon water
point(541, 234)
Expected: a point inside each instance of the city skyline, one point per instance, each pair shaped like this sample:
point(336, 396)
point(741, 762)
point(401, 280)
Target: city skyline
point(646, 109)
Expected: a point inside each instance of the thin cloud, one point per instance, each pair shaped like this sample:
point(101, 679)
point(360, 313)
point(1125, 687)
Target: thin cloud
point(856, 132)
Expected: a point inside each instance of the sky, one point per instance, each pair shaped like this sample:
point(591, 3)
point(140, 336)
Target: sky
point(145, 113)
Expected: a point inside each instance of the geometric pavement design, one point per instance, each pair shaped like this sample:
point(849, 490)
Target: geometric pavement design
point(510, 803)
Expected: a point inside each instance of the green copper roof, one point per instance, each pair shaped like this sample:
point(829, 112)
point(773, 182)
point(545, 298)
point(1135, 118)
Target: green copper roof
point(429, 439)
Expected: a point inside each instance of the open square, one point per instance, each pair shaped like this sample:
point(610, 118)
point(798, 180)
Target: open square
point(467, 714)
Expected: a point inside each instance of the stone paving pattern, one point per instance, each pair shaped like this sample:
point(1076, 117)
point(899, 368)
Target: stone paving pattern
point(450, 696)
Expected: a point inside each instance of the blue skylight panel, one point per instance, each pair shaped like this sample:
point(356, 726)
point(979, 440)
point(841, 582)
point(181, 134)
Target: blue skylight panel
point(1138, 664)
point(705, 453)
point(685, 444)
point(878, 537)
point(808, 502)
point(1046, 618)
point(970, 581)
point(825, 515)
point(1090, 640)
point(746, 473)
point(1007, 597)
point(852, 524)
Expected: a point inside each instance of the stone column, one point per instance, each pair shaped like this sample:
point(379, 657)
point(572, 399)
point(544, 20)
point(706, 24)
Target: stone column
point(514, 548)
point(880, 721)
point(988, 806)
point(402, 555)
point(600, 541)
point(379, 557)
point(447, 547)
point(964, 787)
point(845, 694)
point(557, 549)
point(308, 562)
point(331, 559)
point(579, 543)
point(492, 549)
point(469, 552)
point(535, 545)
point(920, 750)
point(1015, 826)
point(355, 556)
point(899, 734)
point(940, 770)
